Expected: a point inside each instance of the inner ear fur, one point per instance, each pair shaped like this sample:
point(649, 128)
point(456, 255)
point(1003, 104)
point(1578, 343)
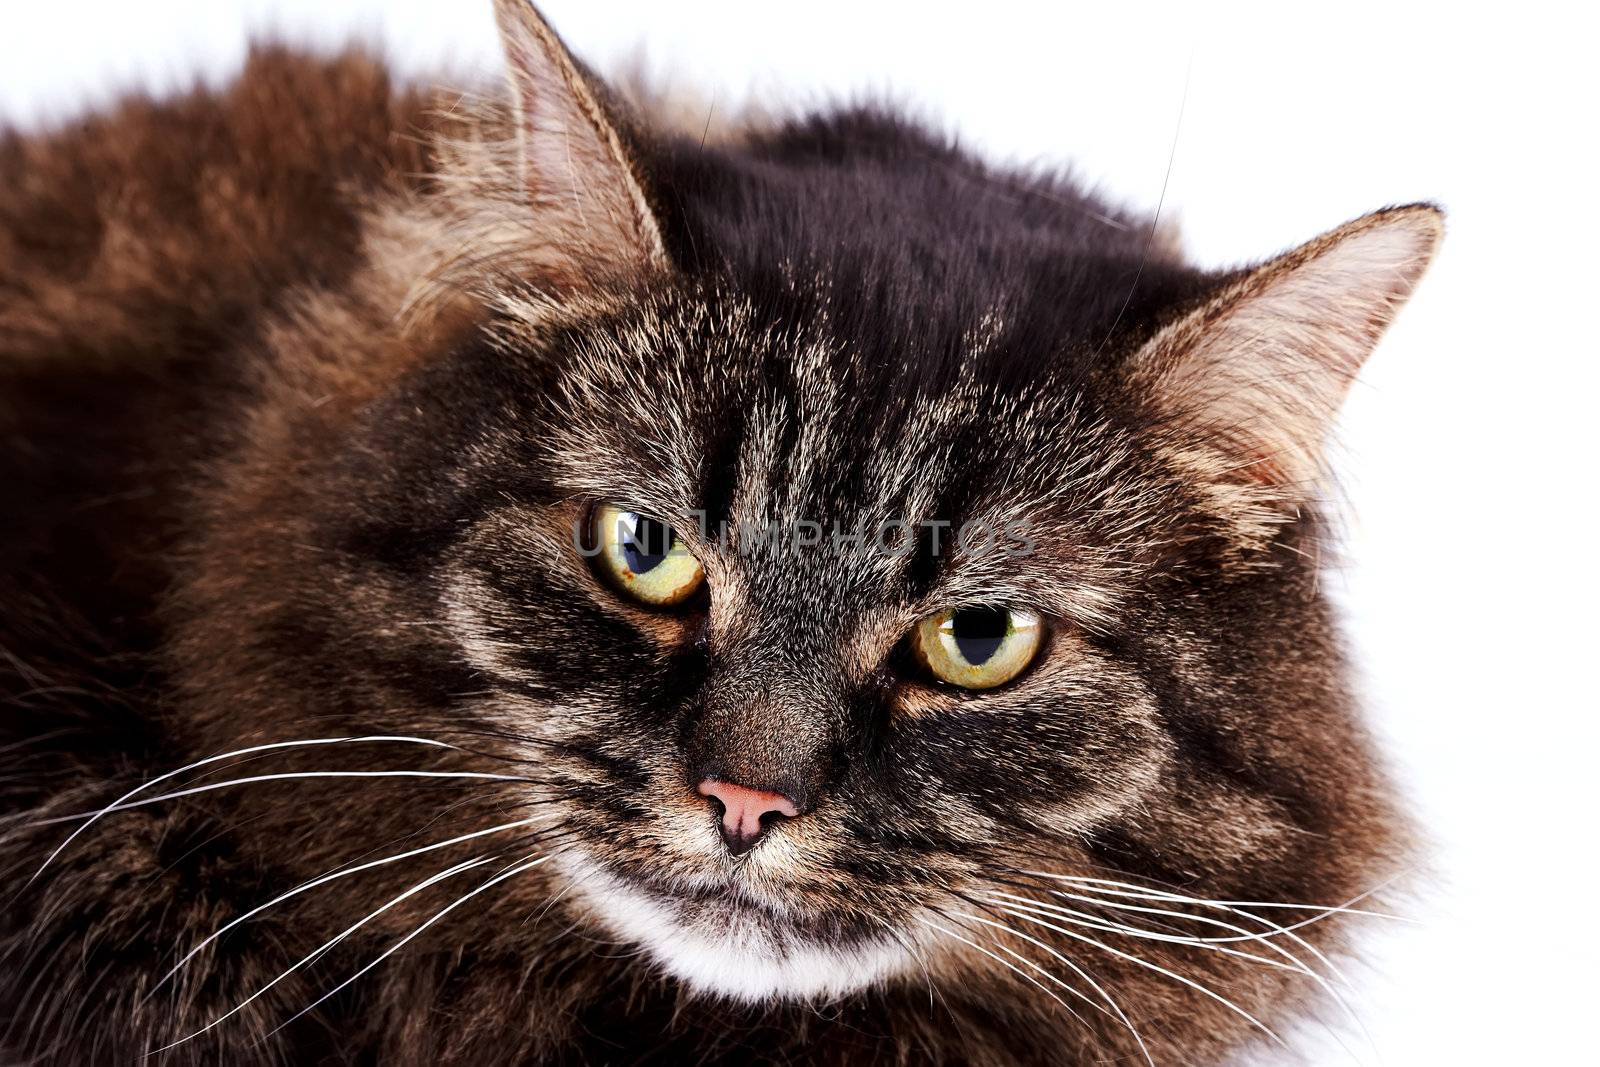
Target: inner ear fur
point(575, 166)
point(1260, 371)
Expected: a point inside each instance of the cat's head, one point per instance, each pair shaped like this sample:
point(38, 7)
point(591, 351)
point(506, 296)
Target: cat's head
point(842, 538)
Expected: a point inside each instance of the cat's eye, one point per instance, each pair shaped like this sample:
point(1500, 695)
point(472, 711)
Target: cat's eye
point(977, 647)
point(644, 557)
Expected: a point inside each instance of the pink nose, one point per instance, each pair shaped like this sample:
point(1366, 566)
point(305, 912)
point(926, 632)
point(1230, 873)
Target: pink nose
point(744, 813)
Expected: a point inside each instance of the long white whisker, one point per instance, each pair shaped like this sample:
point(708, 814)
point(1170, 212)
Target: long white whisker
point(1085, 919)
point(1294, 964)
point(216, 759)
point(1322, 910)
point(465, 865)
point(284, 776)
point(1115, 1007)
point(1004, 963)
point(1267, 939)
point(335, 876)
point(1240, 908)
point(511, 872)
point(1175, 976)
point(1030, 964)
point(915, 951)
point(1234, 908)
point(1239, 933)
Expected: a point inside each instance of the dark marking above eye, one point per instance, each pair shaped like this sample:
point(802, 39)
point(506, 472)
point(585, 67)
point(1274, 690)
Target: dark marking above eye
point(645, 542)
point(979, 632)
point(719, 481)
point(922, 570)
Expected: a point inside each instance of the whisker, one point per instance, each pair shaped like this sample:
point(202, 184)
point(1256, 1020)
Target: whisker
point(1239, 933)
point(1295, 964)
point(217, 759)
point(1115, 1007)
point(431, 880)
point(1175, 976)
point(1266, 939)
point(1030, 964)
point(1242, 934)
point(284, 776)
point(335, 876)
point(915, 952)
point(1082, 918)
point(1236, 908)
point(1004, 963)
point(517, 868)
point(1322, 910)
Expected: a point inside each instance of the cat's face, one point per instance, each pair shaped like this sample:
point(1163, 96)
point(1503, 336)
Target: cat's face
point(790, 669)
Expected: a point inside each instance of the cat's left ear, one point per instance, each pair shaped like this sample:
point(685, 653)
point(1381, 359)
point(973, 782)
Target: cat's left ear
point(575, 165)
point(1262, 368)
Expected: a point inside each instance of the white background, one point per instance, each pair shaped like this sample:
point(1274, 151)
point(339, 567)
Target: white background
point(1466, 453)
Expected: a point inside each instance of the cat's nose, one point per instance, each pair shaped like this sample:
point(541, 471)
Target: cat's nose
point(744, 814)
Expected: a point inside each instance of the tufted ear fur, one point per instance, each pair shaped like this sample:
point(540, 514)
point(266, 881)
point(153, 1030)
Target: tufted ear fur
point(574, 164)
point(1262, 368)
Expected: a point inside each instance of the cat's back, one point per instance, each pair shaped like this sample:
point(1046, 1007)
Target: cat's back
point(156, 227)
point(140, 247)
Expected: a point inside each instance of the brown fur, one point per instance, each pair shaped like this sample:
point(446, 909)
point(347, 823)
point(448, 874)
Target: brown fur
point(207, 306)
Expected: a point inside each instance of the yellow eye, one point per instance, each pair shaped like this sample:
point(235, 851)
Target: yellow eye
point(644, 557)
point(977, 648)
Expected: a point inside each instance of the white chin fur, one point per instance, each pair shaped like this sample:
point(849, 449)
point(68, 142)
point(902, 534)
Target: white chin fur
point(732, 955)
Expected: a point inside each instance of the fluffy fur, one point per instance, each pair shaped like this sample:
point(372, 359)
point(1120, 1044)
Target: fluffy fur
point(305, 384)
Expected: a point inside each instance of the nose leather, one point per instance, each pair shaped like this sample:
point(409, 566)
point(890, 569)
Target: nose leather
point(745, 814)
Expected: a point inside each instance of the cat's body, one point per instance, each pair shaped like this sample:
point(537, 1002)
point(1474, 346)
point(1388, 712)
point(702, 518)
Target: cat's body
point(297, 408)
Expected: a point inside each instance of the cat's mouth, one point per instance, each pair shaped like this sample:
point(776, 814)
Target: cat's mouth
point(730, 899)
point(722, 940)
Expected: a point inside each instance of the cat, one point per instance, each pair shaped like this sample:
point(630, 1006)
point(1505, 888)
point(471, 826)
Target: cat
point(503, 579)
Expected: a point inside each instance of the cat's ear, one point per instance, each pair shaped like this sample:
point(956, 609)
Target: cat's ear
point(1262, 368)
point(574, 162)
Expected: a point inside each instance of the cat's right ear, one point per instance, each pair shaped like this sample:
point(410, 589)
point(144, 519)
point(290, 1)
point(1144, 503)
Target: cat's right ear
point(573, 160)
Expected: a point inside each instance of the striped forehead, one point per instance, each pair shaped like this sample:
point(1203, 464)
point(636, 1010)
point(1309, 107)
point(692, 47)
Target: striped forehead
point(706, 415)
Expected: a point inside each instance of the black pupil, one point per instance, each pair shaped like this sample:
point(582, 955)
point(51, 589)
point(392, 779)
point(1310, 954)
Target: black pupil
point(979, 632)
point(645, 542)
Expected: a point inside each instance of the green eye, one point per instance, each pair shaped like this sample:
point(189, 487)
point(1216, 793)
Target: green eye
point(977, 648)
point(644, 557)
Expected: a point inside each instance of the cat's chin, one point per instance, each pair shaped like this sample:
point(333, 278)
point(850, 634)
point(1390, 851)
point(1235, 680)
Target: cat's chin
point(725, 949)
